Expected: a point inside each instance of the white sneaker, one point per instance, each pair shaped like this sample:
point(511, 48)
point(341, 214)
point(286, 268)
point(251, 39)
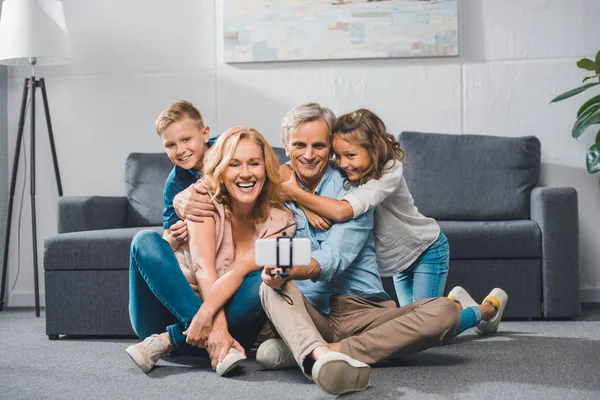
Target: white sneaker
point(230, 362)
point(336, 373)
point(147, 353)
point(498, 298)
point(459, 294)
point(274, 354)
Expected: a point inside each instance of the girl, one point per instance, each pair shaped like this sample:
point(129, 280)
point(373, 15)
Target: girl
point(410, 247)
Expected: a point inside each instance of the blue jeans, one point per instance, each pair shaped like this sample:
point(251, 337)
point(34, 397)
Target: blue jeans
point(161, 299)
point(426, 277)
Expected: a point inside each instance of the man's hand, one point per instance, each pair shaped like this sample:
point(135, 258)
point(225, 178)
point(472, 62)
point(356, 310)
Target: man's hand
point(274, 282)
point(179, 231)
point(321, 223)
point(218, 345)
point(194, 204)
point(199, 330)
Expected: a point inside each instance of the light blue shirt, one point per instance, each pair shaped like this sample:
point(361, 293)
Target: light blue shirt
point(346, 252)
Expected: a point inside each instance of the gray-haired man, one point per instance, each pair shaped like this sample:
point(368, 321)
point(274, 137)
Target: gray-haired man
point(333, 317)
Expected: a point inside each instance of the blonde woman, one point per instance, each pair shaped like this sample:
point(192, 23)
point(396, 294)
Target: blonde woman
point(206, 293)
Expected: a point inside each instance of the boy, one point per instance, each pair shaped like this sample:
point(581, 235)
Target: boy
point(186, 139)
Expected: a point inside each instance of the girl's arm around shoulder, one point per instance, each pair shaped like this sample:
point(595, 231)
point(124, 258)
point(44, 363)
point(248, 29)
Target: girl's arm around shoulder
point(375, 191)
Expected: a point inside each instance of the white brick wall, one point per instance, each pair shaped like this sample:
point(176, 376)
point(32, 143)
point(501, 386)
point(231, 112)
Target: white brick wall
point(135, 57)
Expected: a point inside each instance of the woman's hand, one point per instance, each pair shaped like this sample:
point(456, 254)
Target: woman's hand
point(199, 330)
point(194, 204)
point(321, 223)
point(274, 282)
point(218, 345)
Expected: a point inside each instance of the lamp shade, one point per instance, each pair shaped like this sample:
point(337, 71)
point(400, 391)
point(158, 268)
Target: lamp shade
point(33, 28)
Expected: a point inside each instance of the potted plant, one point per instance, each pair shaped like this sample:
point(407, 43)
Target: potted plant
point(589, 112)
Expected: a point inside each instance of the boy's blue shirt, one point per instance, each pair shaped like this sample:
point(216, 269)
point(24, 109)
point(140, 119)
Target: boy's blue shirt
point(179, 179)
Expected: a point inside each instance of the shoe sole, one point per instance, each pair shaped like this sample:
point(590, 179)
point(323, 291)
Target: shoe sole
point(340, 376)
point(138, 359)
point(458, 292)
point(229, 363)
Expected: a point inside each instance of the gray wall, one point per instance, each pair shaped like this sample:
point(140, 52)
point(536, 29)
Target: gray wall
point(3, 160)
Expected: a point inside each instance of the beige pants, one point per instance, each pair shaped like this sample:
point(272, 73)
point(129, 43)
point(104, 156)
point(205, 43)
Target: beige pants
point(368, 331)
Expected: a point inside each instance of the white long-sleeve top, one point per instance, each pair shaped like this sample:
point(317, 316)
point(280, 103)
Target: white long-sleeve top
point(402, 234)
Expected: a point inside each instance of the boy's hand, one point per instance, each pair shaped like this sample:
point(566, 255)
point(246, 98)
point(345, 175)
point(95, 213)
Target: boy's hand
point(194, 204)
point(273, 282)
point(179, 231)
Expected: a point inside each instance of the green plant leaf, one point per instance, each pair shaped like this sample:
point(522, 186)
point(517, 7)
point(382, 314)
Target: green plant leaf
point(588, 103)
point(598, 58)
point(586, 120)
point(575, 91)
point(598, 137)
point(587, 64)
point(592, 159)
point(587, 78)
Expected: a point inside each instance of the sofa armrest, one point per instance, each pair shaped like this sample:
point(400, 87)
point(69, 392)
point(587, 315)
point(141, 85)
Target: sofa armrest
point(89, 213)
point(556, 212)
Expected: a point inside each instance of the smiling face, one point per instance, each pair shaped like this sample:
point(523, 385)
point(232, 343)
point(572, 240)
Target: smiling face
point(185, 143)
point(351, 157)
point(245, 175)
point(309, 150)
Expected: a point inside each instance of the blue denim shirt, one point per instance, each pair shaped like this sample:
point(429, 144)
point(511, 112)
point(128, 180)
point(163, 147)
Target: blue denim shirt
point(179, 179)
point(346, 252)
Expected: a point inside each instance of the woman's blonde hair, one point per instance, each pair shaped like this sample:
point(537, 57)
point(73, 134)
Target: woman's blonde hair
point(218, 158)
point(365, 128)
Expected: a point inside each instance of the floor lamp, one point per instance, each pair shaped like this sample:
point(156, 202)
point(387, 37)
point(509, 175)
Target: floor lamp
point(32, 32)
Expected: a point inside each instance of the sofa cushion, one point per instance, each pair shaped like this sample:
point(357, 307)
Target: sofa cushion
point(145, 176)
point(90, 250)
point(471, 177)
point(493, 239)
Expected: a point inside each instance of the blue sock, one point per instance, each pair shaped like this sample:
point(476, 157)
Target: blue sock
point(470, 317)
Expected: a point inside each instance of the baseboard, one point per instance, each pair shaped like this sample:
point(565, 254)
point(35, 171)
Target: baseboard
point(24, 299)
point(590, 295)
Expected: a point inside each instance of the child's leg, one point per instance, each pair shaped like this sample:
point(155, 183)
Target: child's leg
point(430, 270)
point(403, 283)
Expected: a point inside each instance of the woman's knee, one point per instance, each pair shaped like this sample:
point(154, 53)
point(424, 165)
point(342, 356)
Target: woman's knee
point(143, 240)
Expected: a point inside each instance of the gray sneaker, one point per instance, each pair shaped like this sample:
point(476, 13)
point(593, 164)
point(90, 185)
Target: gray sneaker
point(147, 353)
point(274, 354)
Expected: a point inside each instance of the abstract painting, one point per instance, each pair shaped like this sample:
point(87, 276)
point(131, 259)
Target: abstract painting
point(285, 30)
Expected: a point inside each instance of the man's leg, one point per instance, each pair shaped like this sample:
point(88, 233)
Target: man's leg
point(302, 327)
point(372, 331)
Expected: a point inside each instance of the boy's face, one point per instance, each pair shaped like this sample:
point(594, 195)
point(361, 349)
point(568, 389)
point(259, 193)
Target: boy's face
point(185, 143)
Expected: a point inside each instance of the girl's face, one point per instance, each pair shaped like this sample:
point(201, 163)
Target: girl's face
point(352, 157)
point(245, 175)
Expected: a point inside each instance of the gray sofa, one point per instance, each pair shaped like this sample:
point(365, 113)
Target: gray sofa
point(503, 231)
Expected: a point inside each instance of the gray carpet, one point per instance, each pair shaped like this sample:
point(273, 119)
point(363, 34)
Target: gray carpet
point(525, 360)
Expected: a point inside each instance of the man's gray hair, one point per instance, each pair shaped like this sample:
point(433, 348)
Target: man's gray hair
point(305, 113)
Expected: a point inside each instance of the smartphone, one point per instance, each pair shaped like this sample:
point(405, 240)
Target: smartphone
point(291, 251)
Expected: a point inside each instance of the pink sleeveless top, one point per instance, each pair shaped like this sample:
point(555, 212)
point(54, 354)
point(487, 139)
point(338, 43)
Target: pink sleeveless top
point(279, 221)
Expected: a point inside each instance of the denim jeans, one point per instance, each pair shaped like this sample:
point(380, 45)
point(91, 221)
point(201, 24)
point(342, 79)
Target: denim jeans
point(426, 277)
point(161, 299)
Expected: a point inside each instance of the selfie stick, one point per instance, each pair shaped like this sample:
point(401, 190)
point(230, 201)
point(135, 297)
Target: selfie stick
point(284, 273)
